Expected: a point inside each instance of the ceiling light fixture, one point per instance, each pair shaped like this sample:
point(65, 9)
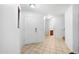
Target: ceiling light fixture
point(32, 5)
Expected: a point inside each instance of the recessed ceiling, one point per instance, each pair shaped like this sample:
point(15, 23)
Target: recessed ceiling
point(53, 9)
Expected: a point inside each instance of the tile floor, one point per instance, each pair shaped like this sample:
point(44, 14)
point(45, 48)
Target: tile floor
point(49, 46)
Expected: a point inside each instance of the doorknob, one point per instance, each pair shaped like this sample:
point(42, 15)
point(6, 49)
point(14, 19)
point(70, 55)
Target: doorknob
point(35, 29)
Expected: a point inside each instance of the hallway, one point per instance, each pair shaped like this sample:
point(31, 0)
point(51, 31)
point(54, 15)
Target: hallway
point(23, 28)
point(49, 46)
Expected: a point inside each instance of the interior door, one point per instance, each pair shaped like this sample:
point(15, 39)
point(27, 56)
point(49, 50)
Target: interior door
point(30, 30)
point(34, 28)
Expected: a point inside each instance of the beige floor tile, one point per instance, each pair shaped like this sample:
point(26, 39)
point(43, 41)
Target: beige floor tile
point(49, 46)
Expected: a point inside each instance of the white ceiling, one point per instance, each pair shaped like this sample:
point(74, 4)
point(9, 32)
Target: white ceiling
point(52, 9)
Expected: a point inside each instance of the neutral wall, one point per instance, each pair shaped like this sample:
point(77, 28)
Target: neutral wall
point(33, 20)
point(57, 24)
point(9, 33)
point(46, 27)
point(72, 28)
point(75, 28)
point(22, 23)
point(69, 27)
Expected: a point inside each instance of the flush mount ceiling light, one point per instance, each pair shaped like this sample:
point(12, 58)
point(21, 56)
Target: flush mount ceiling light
point(32, 5)
point(48, 17)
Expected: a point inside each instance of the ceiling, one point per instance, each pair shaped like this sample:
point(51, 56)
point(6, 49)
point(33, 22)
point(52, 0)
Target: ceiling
point(52, 9)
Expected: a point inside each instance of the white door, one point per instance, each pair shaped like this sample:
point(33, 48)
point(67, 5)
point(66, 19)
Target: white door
point(30, 34)
point(34, 28)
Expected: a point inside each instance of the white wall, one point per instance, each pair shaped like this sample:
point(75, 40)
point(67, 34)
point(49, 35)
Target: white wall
point(71, 28)
point(9, 33)
point(33, 20)
point(22, 23)
point(46, 26)
point(57, 24)
point(75, 28)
